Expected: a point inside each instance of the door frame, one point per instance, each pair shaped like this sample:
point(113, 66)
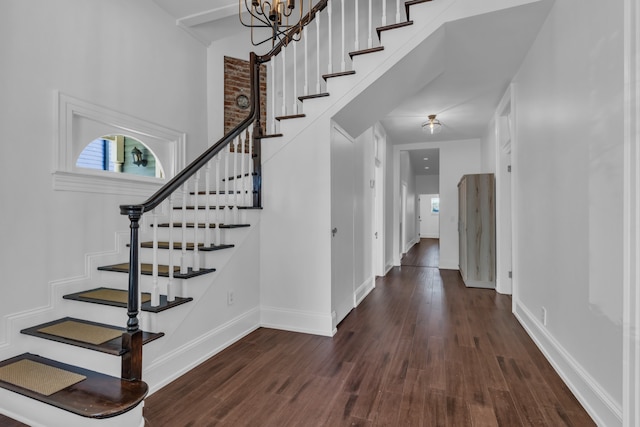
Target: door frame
point(378, 241)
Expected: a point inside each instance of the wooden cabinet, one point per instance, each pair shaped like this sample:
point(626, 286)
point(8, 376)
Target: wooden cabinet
point(477, 230)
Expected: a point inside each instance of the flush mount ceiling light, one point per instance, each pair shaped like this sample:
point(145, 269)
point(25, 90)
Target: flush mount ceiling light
point(432, 125)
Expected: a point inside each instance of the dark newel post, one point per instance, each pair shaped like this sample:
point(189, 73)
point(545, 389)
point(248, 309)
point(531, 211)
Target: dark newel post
point(257, 131)
point(132, 338)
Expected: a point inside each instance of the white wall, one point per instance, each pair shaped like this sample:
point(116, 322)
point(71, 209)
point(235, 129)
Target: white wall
point(126, 56)
point(568, 182)
point(391, 233)
point(427, 184)
point(407, 176)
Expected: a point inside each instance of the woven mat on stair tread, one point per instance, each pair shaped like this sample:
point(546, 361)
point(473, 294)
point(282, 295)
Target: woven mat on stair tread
point(38, 377)
point(83, 332)
point(113, 295)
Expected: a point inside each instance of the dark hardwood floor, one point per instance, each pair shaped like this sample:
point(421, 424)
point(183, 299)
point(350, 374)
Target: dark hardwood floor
point(10, 422)
point(420, 350)
point(424, 254)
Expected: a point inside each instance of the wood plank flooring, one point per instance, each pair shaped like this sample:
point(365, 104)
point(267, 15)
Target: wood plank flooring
point(420, 350)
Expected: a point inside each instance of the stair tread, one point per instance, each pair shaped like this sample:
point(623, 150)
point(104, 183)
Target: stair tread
point(340, 74)
point(231, 178)
point(112, 346)
point(97, 396)
point(191, 208)
point(215, 193)
point(292, 116)
point(393, 27)
point(163, 270)
point(146, 302)
point(190, 245)
point(366, 51)
point(202, 225)
point(316, 95)
point(272, 135)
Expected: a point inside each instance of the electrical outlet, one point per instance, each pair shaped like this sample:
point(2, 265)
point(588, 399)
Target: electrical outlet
point(230, 297)
point(543, 313)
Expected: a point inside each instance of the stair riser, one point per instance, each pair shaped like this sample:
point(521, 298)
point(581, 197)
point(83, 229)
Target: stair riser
point(242, 199)
point(227, 235)
point(224, 216)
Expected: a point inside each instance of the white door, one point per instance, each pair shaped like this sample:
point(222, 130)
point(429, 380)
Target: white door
point(342, 211)
point(429, 216)
point(378, 222)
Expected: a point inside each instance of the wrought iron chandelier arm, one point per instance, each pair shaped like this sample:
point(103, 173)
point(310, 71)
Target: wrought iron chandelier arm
point(263, 19)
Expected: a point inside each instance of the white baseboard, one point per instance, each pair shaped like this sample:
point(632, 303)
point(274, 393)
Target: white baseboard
point(596, 401)
point(430, 236)
point(387, 268)
point(364, 289)
point(181, 360)
point(297, 321)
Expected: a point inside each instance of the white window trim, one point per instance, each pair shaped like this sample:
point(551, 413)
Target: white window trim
point(66, 177)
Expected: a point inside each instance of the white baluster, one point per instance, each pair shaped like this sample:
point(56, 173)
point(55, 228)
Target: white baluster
point(397, 11)
point(246, 178)
point(318, 52)
point(306, 61)
point(236, 154)
point(356, 42)
point(294, 104)
point(171, 293)
point(196, 253)
point(274, 91)
point(155, 290)
point(343, 65)
point(207, 208)
point(249, 192)
point(219, 208)
point(329, 13)
point(183, 259)
point(283, 53)
point(384, 12)
point(369, 39)
point(227, 202)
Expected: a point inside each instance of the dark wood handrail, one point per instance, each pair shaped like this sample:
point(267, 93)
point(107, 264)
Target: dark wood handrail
point(132, 338)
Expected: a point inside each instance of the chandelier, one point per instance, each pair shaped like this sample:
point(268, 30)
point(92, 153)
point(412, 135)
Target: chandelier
point(277, 15)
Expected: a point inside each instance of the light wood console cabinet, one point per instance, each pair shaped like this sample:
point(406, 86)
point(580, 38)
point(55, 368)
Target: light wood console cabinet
point(477, 230)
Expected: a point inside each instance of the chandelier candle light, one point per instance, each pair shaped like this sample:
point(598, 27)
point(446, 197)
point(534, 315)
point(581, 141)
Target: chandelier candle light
point(432, 125)
point(273, 14)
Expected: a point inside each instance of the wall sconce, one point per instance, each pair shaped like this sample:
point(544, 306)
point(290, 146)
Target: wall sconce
point(137, 157)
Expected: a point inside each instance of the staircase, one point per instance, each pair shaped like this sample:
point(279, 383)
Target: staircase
point(192, 235)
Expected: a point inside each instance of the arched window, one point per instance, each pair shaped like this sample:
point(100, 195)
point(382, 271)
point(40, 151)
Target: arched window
point(120, 154)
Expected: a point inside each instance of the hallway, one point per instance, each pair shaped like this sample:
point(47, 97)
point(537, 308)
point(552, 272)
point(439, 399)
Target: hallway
point(420, 350)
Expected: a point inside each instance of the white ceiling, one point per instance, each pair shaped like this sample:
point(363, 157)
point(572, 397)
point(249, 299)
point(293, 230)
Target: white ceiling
point(466, 68)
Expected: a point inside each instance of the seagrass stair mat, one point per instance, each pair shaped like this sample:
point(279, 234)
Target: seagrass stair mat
point(38, 377)
point(83, 332)
point(113, 295)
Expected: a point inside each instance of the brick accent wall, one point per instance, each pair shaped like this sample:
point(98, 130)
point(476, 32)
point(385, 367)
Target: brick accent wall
point(236, 83)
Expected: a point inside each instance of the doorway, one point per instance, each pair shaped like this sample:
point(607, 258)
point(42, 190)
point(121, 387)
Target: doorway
point(378, 262)
point(342, 225)
point(429, 216)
